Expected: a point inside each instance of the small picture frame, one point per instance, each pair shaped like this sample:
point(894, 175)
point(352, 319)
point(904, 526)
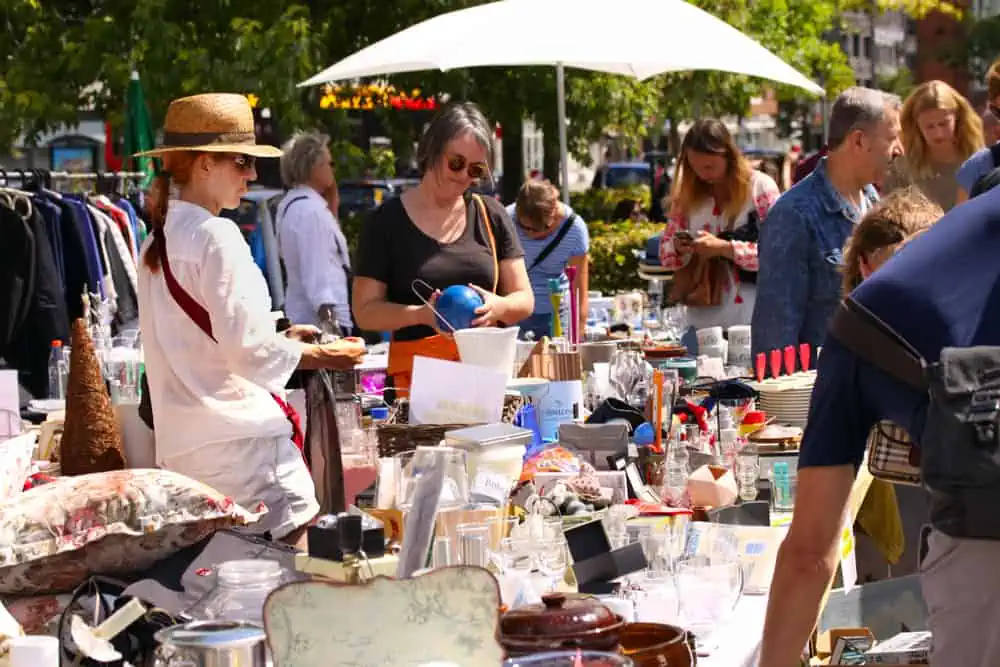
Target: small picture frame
point(850, 650)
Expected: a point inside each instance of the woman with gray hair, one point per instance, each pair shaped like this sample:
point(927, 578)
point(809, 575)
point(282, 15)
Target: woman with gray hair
point(312, 246)
point(442, 235)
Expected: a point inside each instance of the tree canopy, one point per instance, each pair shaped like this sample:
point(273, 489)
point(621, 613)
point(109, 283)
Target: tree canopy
point(61, 56)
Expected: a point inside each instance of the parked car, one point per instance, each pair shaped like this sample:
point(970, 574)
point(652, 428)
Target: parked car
point(622, 175)
point(362, 195)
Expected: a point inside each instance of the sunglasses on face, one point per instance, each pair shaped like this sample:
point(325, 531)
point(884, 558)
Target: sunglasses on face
point(244, 162)
point(475, 170)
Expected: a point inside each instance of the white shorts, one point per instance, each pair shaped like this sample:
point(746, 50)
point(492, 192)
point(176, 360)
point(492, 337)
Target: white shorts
point(260, 470)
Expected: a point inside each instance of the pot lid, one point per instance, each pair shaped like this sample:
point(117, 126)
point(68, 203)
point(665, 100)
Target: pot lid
point(212, 635)
point(558, 615)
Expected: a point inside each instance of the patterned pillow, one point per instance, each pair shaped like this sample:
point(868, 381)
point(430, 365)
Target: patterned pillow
point(56, 535)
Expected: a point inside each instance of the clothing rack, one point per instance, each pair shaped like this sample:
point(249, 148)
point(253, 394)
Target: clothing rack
point(26, 174)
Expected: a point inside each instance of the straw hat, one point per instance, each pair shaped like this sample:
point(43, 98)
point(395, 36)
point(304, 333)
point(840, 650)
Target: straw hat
point(214, 122)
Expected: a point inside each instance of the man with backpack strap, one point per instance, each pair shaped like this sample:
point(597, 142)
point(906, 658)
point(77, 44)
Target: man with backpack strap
point(986, 160)
point(918, 343)
point(315, 258)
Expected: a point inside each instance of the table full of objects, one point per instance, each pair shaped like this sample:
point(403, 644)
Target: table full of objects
point(601, 498)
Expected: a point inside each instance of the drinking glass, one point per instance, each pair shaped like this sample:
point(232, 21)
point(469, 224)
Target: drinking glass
point(515, 555)
point(709, 591)
point(412, 466)
point(656, 598)
point(552, 561)
point(576, 658)
point(473, 544)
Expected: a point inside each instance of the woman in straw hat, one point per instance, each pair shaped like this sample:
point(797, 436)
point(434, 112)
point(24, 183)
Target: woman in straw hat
point(214, 361)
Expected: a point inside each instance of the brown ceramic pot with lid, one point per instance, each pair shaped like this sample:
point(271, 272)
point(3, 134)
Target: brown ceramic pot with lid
point(561, 621)
point(658, 645)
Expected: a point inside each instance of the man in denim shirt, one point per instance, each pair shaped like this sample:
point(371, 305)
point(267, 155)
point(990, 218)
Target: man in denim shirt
point(802, 239)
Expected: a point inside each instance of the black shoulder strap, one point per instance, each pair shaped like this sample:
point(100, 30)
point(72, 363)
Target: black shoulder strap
point(289, 204)
point(857, 328)
point(995, 154)
point(560, 235)
point(340, 251)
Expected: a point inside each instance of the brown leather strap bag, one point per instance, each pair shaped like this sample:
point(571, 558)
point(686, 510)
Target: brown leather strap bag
point(700, 281)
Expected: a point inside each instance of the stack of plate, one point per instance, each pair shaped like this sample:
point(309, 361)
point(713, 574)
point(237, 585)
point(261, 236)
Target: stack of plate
point(787, 398)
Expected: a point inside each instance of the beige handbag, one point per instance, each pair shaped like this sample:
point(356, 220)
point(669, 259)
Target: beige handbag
point(891, 455)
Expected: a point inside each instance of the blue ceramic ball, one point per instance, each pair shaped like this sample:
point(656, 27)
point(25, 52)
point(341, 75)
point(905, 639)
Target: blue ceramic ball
point(644, 434)
point(457, 304)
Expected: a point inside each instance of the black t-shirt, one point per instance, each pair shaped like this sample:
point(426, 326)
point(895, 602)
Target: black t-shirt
point(393, 251)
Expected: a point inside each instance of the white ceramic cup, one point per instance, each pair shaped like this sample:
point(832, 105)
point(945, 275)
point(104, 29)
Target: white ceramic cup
point(739, 355)
point(739, 335)
point(34, 651)
point(713, 351)
point(708, 337)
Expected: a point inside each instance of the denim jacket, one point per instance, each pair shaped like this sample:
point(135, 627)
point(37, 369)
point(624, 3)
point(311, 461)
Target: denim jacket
point(801, 259)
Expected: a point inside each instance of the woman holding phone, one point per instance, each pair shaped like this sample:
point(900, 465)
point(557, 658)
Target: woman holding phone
point(710, 242)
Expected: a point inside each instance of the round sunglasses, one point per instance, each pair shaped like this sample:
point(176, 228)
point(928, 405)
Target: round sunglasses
point(475, 170)
point(244, 162)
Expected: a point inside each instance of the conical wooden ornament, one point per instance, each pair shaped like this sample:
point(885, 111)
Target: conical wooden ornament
point(91, 440)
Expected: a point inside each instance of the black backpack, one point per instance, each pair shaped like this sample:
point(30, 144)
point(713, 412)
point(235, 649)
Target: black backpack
point(960, 445)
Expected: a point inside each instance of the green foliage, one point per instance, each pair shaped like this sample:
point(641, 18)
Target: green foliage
point(901, 83)
point(383, 161)
point(61, 56)
point(614, 265)
point(978, 50)
point(354, 162)
point(600, 204)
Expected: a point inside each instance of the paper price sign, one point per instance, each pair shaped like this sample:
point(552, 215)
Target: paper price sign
point(491, 485)
point(848, 559)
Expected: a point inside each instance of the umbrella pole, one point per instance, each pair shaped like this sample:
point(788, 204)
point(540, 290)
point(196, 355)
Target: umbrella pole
point(563, 143)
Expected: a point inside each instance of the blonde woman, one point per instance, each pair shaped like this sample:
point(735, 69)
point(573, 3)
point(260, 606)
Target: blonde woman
point(717, 205)
point(940, 131)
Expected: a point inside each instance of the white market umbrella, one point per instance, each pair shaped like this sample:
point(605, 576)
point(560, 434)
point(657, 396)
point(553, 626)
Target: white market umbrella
point(600, 35)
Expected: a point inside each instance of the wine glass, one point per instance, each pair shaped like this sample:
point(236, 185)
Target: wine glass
point(552, 561)
point(709, 590)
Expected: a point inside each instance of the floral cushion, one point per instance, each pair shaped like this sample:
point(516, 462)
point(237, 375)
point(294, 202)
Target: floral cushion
point(15, 464)
point(54, 536)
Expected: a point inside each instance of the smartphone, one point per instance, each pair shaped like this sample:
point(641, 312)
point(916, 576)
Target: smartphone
point(684, 236)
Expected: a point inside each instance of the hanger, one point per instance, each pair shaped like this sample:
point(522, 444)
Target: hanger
point(14, 197)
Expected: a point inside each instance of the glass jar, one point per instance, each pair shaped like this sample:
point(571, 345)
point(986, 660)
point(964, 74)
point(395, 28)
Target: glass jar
point(241, 587)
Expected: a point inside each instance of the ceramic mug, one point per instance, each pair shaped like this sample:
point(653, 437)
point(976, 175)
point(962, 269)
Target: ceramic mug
point(740, 355)
point(739, 335)
point(713, 351)
point(708, 337)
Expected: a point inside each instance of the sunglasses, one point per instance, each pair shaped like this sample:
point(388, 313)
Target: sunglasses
point(244, 162)
point(475, 170)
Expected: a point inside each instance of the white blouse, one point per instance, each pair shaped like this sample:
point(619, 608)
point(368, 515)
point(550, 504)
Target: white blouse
point(738, 298)
point(205, 392)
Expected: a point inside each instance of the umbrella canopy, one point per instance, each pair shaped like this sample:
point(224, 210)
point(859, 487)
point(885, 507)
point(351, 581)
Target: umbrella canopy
point(138, 130)
point(599, 35)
